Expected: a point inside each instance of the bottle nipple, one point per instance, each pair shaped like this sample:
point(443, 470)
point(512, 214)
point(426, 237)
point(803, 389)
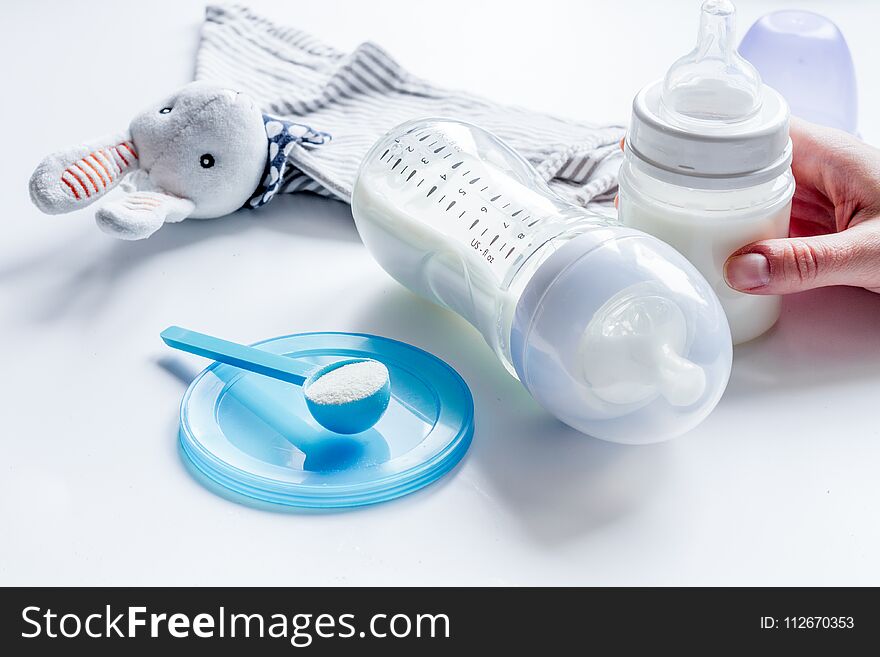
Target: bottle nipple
point(632, 351)
point(712, 82)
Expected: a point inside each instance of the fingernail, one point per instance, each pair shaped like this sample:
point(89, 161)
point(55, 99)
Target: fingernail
point(748, 271)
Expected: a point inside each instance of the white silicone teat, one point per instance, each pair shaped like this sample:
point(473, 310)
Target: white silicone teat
point(632, 352)
point(712, 82)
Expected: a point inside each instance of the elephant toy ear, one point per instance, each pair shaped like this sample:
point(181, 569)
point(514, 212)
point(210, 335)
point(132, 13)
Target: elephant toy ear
point(78, 176)
point(139, 214)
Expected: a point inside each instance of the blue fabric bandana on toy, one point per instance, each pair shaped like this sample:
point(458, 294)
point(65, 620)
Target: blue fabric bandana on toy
point(282, 136)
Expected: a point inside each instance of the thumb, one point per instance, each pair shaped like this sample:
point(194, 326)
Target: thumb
point(782, 266)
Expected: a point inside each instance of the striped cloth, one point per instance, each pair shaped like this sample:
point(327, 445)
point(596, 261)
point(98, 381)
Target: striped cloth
point(357, 97)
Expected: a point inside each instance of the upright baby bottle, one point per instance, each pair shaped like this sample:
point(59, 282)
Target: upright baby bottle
point(609, 329)
point(707, 164)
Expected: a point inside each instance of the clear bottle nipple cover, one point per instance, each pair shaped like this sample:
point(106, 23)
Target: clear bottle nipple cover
point(712, 82)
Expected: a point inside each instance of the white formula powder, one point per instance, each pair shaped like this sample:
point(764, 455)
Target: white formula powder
point(348, 383)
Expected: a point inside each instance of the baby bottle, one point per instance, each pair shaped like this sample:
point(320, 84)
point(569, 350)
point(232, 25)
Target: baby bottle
point(610, 329)
point(707, 164)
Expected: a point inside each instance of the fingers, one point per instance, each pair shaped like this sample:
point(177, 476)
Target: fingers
point(783, 266)
point(617, 196)
point(836, 174)
point(812, 147)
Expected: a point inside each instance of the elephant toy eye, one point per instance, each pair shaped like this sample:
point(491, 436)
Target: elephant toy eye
point(165, 110)
point(206, 160)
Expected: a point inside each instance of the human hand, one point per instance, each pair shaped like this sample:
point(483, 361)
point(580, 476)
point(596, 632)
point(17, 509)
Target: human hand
point(835, 220)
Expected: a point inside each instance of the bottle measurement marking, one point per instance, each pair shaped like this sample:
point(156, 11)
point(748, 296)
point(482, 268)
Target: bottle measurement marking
point(473, 181)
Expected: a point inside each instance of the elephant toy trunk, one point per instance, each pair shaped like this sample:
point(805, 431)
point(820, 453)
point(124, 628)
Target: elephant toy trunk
point(99, 170)
point(75, 177)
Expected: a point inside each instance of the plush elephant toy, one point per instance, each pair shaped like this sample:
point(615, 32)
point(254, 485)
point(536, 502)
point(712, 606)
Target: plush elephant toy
point(203, 152)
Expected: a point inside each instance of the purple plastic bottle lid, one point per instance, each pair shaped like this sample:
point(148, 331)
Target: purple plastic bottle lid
point(804, 56)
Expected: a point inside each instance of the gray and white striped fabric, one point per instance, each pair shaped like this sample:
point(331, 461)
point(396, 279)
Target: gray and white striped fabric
point(357, 97)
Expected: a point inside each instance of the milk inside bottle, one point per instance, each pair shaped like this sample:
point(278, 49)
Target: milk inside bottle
point(609, 329)
point(707, 164)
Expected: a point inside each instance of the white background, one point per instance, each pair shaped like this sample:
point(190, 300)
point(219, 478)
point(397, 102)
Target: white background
point(779, 486)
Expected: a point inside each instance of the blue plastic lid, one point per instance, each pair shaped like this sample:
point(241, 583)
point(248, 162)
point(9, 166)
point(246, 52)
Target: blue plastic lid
point(255, 437)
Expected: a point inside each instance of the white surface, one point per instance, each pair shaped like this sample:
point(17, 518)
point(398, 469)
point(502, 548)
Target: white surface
point(779, 486)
